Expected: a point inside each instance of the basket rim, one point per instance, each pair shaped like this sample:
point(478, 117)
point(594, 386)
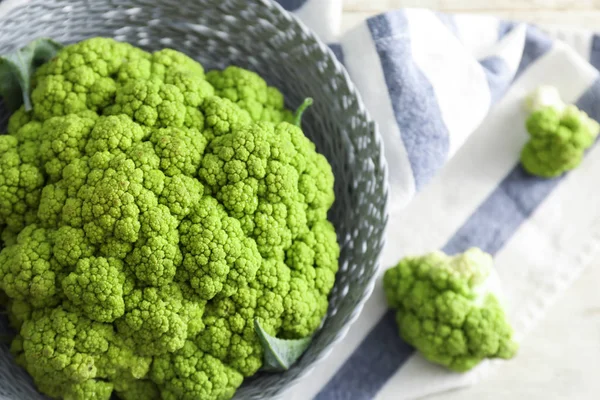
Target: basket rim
point(9, 7)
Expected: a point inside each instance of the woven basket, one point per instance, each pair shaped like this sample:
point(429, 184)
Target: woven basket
point(260, 36)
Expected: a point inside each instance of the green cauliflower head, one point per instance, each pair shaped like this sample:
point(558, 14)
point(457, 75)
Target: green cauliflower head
point(150, 214)
point(444, 310)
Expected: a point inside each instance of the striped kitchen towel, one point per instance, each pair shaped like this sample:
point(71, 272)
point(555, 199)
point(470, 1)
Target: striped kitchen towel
point(447, 92)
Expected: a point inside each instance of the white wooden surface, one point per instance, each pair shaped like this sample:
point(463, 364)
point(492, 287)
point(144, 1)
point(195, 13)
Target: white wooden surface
point(580, 13)
point(560, 359)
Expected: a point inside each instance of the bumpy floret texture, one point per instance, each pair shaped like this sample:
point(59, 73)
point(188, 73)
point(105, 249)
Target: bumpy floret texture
point(249, 91)
point(150, 213)
point(558, 140)
point(20, 185)
point(444, 308)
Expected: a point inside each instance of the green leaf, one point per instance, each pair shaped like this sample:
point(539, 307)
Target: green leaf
point(17, 69)
point(280, 354)
point(300, 111)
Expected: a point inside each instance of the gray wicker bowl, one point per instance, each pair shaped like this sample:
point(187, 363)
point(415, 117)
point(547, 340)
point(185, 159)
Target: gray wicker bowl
point(258, 35)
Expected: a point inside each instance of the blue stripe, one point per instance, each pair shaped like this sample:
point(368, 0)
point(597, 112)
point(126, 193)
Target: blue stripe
point(360, 377)
point(537, 43)
point(498, 75)
point(504, 28)
point(382, 352)
point(291, 5)
point(413, 100)
point(595, 52)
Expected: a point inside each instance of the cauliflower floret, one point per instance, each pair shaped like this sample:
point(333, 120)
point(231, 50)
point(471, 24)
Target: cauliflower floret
point(190, 374)
point(20, 186)
point(444, 311)
point(96, 286)
point(80, 77)
point(249, 91)
point(559, 134)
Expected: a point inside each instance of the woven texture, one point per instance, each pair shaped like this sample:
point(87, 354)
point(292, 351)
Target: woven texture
point(260, 36)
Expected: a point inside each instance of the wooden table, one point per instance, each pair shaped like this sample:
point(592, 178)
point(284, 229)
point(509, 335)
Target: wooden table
point(560, 359)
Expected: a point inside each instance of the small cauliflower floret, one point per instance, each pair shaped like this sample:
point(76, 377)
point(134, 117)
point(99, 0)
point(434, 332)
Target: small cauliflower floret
point(194, 88)
point(222, 116)
point(155, 260)
point(60, 349)
point(559, 135)
point(218, 258)
point(156, 256)
point(8, 237)
point(52, 202)
point(136, 389)
point(179, 149)
point(169, 62)
point(70, 356)
point(151, 103)
point(121, 364)
point(316, 180)
point(158, 95)
point(64, 140)
point(74, 176)
point(104, 193)
point(89, 390)
point(250, 173)
point(158, 222)
point(113, 198)
point(17, 120)
point(273, 285)
point(96, 286)
point(313, 260)
point(20, 186)
point(113, 134)
point(229, 334)
point(80, 77)
point(190, 374)
point(18, 311)
point(146, 159)
point(26, 269)
point(162, 65)
point(70, 246)
point(180, 194)
point(446, 312)
point(30, 137)
point(157, 319)
point(249, 91)
point(271, 179)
